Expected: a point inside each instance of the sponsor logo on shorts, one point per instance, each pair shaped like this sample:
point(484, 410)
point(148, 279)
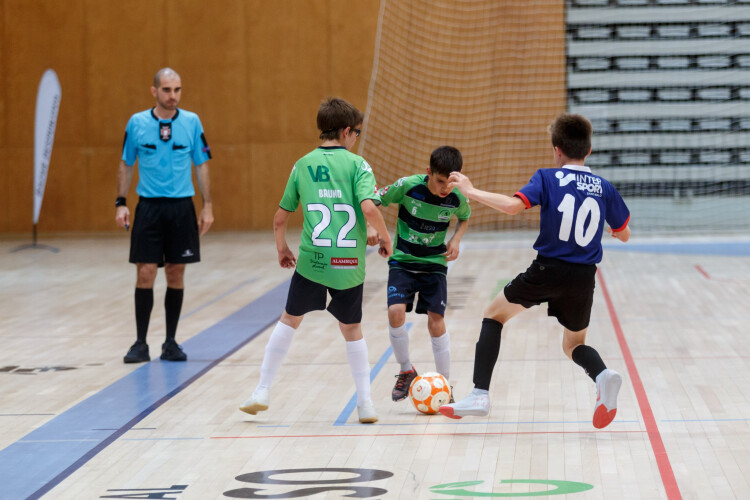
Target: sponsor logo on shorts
point(344, 262)
point(188, 253)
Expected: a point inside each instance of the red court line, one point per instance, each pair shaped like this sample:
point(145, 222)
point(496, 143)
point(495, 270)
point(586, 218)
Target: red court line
point(704, 273)
point(662, 459)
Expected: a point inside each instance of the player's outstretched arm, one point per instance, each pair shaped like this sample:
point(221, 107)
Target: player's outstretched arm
point(375, 219)
point(286, 256)
point(506, 204)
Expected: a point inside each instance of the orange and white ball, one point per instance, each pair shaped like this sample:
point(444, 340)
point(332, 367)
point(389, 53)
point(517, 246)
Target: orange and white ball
point(429, 392)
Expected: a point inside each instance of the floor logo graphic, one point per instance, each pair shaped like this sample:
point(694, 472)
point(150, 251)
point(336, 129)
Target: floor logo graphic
point(147, 493)
point(560, 488)
point(311, 487)
point(347, 487)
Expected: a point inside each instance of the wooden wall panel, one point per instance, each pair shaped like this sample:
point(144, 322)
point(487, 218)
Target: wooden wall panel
point(269, 179)
point(124, 46)
point(19, 208)
point(288, 58)
point(3, 88)
point(232, 178)
point(67, 199)
point(255, 72)
point(40, 35)
point(209, 54)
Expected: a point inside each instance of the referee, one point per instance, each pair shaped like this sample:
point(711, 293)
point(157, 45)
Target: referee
point(165, 140)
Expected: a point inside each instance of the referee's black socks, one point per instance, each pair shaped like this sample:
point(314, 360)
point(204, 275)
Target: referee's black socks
point(144, 302)
point(172, 309)
point(487, 352)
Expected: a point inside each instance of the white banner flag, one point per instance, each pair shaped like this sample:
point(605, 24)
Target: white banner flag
point(47, 106)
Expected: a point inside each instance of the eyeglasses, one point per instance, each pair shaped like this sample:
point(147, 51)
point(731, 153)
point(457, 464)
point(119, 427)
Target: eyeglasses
point(356, 131)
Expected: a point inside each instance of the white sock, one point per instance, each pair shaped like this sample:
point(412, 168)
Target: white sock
point(480, 392)
point(400, 341)
point(276, 349)
point(441, 349)
point(359, 365)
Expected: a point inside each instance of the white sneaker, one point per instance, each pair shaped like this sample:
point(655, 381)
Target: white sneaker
point(608, 385)
point(477, 405)
point(367, 413)
point(257, 402)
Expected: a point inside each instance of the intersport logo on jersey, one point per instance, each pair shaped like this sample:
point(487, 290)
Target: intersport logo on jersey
point(584, 182)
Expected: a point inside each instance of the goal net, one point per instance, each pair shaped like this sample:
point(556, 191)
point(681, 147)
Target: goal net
point(666, 84)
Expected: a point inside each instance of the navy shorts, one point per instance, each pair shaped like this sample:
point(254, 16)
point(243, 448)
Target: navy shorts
point(165, 230)
point(432, 288)
point(306, 295)
point(567, 288)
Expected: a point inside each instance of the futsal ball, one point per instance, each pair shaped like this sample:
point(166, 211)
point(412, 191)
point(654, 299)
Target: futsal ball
point(429, 392)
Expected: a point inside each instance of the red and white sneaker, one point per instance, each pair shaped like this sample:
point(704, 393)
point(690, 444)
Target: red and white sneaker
point(608, 385)
point(476, 405)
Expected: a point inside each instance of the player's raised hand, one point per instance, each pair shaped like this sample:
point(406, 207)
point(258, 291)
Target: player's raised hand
point(460, 181)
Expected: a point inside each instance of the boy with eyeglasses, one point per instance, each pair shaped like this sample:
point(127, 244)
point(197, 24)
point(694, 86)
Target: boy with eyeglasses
point(336, 189)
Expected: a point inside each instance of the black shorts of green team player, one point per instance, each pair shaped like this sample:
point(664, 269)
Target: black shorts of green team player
point(432, 288)
point(567, 288)
point(165, 230)
point(306, 295)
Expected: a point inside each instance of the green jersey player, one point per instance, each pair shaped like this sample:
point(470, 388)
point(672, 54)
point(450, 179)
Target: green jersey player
point(336, 189)
point(418, 266)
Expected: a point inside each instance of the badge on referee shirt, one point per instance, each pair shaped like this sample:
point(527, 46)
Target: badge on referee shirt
point(165, 131)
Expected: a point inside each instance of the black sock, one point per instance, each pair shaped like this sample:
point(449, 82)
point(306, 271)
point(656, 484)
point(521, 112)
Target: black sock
point(487, 351)
point(587, 358)
point(172, 309)
point(144, 302)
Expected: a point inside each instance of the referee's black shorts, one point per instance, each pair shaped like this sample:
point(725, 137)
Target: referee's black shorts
point(567, 288)
point(165, 230)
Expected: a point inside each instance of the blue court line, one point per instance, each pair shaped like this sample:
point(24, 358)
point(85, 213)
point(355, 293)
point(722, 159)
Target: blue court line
point(39, 461)
point(215, 300)
point(352, 404)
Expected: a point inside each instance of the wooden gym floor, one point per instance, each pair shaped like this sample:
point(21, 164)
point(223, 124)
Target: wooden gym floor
point(670, 314)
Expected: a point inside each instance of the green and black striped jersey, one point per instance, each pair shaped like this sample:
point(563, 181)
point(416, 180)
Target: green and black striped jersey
point(423, 220)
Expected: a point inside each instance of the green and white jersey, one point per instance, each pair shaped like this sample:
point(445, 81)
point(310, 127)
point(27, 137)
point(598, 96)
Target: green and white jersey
point(423, 220)
point(330, 183)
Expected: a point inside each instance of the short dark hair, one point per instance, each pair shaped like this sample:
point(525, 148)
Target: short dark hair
point(572, 134)
point(335, 114)
point(446, 159)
